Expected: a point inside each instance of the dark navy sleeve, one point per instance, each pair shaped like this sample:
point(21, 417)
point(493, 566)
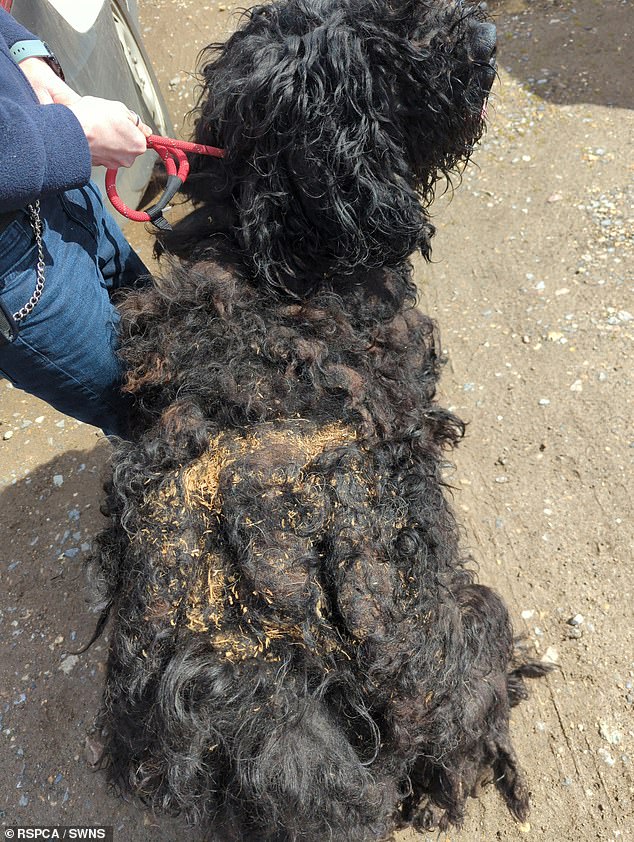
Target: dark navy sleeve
point(44, 148)
point(12, 31)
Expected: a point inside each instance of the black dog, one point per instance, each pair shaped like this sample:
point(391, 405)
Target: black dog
point(299, 651)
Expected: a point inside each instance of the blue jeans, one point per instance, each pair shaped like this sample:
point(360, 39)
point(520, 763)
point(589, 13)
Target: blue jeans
point(65, 352)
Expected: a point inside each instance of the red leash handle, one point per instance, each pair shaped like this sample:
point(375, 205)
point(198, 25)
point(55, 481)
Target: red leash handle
point(172, 152)
point(155, 140)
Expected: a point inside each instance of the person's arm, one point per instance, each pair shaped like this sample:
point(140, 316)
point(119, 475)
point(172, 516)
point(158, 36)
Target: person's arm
point(45, 151)
point(50, 147)
point(113, 136)
point(11, 30)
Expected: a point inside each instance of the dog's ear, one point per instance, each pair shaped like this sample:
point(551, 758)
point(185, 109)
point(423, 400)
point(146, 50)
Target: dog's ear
point(314, 164)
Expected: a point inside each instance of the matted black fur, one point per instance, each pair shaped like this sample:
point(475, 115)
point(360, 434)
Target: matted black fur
point(299, 650)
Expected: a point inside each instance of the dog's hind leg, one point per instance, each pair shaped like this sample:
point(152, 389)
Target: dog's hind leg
point(510, 780)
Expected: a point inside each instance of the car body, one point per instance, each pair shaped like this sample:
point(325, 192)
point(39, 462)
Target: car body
point(100, 49)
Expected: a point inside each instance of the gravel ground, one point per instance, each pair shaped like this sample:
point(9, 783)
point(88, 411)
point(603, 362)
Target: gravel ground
point(532, 285)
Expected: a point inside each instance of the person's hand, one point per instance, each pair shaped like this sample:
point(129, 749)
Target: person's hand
point(113, 136)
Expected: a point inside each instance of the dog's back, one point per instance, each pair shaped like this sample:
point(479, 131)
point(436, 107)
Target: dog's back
point(296, 635)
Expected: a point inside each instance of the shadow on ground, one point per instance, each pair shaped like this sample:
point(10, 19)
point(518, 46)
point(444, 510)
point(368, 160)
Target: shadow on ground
point(553, 48)
point(48, 695)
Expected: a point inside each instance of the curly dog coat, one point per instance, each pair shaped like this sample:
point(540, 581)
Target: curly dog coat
point(299, 650)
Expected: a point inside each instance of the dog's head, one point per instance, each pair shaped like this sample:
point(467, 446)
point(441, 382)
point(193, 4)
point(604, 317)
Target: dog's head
point(338, 117)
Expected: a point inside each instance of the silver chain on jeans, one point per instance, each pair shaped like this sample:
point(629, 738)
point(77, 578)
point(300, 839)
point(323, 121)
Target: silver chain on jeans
point(36, 225)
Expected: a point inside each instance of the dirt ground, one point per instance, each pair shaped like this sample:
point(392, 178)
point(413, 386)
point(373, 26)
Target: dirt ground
point(532, 284)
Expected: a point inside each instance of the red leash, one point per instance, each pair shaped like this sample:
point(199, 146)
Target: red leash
point(172, 152)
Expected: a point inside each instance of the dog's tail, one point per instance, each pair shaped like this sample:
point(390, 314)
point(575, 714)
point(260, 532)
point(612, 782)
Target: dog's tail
point(523, 669)
point(98, 631)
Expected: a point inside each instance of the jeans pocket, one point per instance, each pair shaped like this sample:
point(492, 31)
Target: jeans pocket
point(17, 251)
point(78, 206)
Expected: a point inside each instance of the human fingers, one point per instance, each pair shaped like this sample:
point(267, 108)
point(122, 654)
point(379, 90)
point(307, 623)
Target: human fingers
point(136, 119)
point(114, 140)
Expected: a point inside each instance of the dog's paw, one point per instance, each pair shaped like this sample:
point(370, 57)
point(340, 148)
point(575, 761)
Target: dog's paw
point(431, 817)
